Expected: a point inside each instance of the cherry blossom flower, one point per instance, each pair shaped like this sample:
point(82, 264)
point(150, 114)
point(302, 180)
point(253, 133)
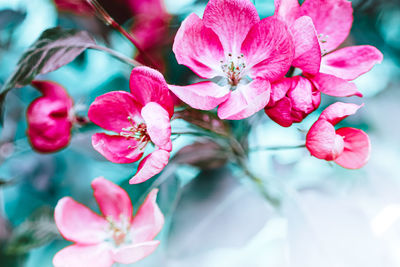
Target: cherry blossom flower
point(50, 118)
point(136, 118)
point(115, 236)
point(318, 28)
point(233, 43)
point(292, 99)
point(348, 147)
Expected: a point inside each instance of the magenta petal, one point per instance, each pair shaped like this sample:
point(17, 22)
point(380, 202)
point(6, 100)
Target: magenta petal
point(287, 10)
point(304, 96)
point(112, 111)
point(323, 142)
point(148, 85)
point(113, 201)
point(246, 100)
point(148, 220)
point(350, 62)
point(135, 252)
point(334, 86)
point(339, 111)
point(118, 149)
point(151, 165)
point(49, 122)
point(198, 48)
point(332, 20)
point(79, 224)
point(203, 95)
point(84, 256)
point(231, 20)
point(268, 50)
point(158, 125)
point(281, 112)
point(307, 50)
point(357, 148)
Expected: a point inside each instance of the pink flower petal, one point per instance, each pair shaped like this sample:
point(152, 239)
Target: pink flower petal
point(323, 142)
point(279, 90)
point(158, 125)
point(307, 50)
point(231, 20)
point(268, 50)
point(287, 10)
point(49, 126)
point(112, 111)
point(281, 112)
point(53, 90)
point(203, 95)
point(339, 111)
point(148, 220)
point(135, 252)
point(151, 165)
point(84, 256)
point(332, 19)
point(118, 149)
point(113, 201)
point(304, 96)
point(246, 100)
point(334, 86)
point(350, 62)
point(79, 224)
point(357, 148)
point(198, 48)
point(148, 85)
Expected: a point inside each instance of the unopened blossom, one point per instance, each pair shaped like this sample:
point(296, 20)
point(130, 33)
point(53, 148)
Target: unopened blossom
point(50, 118)
point(292, 99)
point(318, 28)
point(115, 236)
point(348, 147)
point(231, 44)
point(136, 119)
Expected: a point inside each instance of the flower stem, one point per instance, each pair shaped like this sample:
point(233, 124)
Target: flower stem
point(117, 55)
point(255, 149)
point(108, 20)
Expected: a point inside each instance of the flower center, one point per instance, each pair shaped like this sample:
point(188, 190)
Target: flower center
point(323, 38)
point(118, 231)
point(137, 131)
point(234, 68)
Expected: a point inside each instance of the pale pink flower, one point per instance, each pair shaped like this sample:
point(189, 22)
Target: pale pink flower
point(115, 236)
point(233, 43)
point(348, 147)
point(50, 118)
point(136, 118)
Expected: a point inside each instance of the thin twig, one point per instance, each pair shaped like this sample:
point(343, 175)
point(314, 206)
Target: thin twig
point(274, 148)
point(117, 55)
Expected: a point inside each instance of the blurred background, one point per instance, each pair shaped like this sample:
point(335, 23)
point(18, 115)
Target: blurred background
point(329, 217)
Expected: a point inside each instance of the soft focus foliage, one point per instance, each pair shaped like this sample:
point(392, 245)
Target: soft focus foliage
point(214, 215)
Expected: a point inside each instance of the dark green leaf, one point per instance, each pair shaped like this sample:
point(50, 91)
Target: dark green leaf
point(55, 48)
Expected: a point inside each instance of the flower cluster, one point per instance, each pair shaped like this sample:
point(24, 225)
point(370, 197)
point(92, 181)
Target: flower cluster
point(281, 64)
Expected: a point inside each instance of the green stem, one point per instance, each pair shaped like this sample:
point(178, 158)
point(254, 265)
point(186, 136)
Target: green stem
point(117, 55)
point(275, 148)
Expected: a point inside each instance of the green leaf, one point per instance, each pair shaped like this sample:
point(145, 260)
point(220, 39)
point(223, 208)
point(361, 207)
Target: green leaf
point(55, 48)
point(37, 230)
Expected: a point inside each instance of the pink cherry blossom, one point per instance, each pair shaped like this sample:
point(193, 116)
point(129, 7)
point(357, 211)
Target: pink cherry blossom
point(50, 118)
point(136, 118)
point(318, 27)
point(292, 99)
point(233, 43)
point(348, 147)
point(115, 236)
